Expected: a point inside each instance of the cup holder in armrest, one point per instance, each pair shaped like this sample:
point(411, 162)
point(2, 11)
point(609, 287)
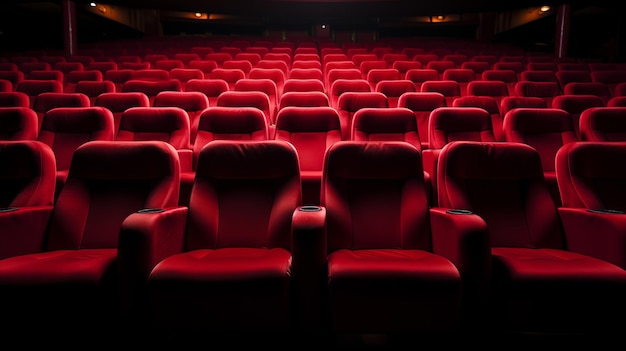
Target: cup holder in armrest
point(309, 208)
point(8, 209)
point(606, 210)
point(150, 210)
point(459, 211)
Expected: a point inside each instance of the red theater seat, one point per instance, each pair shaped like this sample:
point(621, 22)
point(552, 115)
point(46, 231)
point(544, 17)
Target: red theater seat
point(18, 123)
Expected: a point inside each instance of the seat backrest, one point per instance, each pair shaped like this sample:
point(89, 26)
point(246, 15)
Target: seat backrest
point(46, 101)
point(94, 88)
point(306, 73)
point(185, 74)
point(461, 75)
point(231, 123)
point(449, 124)
point(603, 124)
point(591, 176)
point(350, 102)
point(404, 65)
point(545, 129)
point(450, 89)
point(64, 129)
point(150, 74)
point(575, 105)
point(14, 99)
point(544, 90)
point(504, 184)
point(168, 64)
point(489, 104)
point(510, 102)
point(28, 173)
point(611, 78)
point(264, 85)
point(230, 75)
point(212, 88)
point(509, 77)
point(193, 102)
point(260, 179)
point(151, 88)
point(118, 102)
point(303, 99)
point(18, 123)
point(598, 89)
point(494, 88)
point(243, 65)
point(275, 74)
point(33, 87)
point(311, 130)
point(106, 182)
point(169, 124)
point(477, 66)
point(256, 99)
point(538, 76)
point(342, 85)
point(370, 188)
point(118, 77)
point(206, 66)
point(568, 76)
point(387, 124)
point(283, 65)
point(422, 104)
point(393, 89)
point(303, 85)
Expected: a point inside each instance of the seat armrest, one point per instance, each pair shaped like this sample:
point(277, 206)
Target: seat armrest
point(597, 233)
point(309, 265)
point(462, 237)
point(186, 159)
point(23, 230)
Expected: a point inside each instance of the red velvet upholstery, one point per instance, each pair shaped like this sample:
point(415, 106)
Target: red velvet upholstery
point(450, 89)
point(303, 84)
point(212, 88)
point(545, 129)
point(542, 89)
point(14, 99)
point(74, 272)
point(118, 102)
point(592, 181)
point(539, 284)
point(422, 104)
point(32, 88)
point(509, 77)
point(18, 123)
point(349, 102)
point(393, 89)
point(94, 88)
point(603, 124)
point(274, 74)
point(256, 99)
point(598, 89)
point(151, 87)
point(64, 129)
point(342, 85)
point(185, 74)
point(510, 102)
point(303, 99)
point(192, 102)
point(488, 103)
point(169, 124)
point(264, 85)
point(46, 101)
point(448, 124)
point(312, 130)
point(575, 105)
point(385, 273)
point(72, 78)
point(232, 270)
point(26, 195)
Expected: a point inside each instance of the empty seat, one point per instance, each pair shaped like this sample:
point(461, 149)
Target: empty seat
point(393, 89)
point(75, 77)
point(477, 66)
point(65, 129)
point(450, 89)
point(264, 85)
point(306, 73)
point(14, 99)
point(341, 73)
point(374, 261)
point(538, 283)
point(283, 65)
point(600, 90)
point(376, 75)
point(186, 57)
point(255, 99)
point(229, 75)
point(510, 102)
point(568, 76)
point(274, 74)
point(440, 66)
point(169, 124)
point(185, 74)
point(575, 105)
point(592, 187)
point(544, 90)
point(603, 124)
point(422, 104)
point(509, 77)
point(118, 102)
point(46, 101)
point(18, 123)
point(26, 195)
point(494, 88)
point(193, 102)
point(73, 270)
point(243, 65)
point(488, 103)
point(303, 85)
point(212, 88)
point(340, 86)
point(303, 99)
point(200, 283)
point(366, 66)
point(206, 66)
point(404, 65)
point(32, 88)
point(218, 57)
point(350, 102)
point(118, 77)
point(311, 130)
point(151, 88)
point(48, 74)
point(545, 129)
point(449, 124)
